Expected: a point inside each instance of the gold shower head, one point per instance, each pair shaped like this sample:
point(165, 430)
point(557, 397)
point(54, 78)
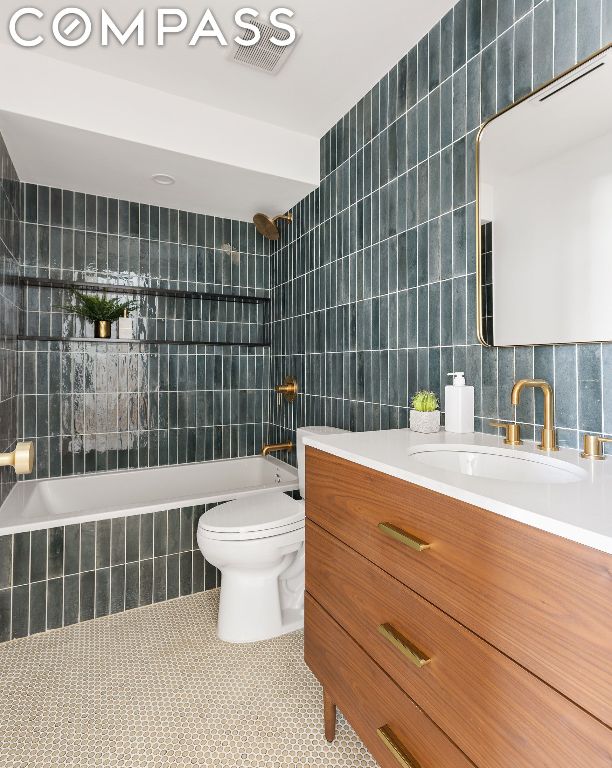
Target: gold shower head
point(267, 226)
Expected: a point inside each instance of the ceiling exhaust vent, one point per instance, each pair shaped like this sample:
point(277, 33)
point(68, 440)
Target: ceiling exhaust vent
point(264, 55)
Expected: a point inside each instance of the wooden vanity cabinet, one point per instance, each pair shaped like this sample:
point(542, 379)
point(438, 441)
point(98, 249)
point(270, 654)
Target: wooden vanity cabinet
point(499, 634)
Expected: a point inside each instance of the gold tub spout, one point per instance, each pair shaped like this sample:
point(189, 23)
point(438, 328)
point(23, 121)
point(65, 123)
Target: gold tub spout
point(549, 436)
point(22, 458)
point(268, 449)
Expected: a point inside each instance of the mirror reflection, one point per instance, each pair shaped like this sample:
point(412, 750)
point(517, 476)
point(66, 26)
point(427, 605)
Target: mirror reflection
point(545, 209)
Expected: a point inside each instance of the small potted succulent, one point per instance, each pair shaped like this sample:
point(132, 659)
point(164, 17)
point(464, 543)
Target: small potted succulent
point(425, 413)
point(100, 311)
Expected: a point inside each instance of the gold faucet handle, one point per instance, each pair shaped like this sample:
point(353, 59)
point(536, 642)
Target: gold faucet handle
point(512, 431)
point(288, 389)
point(593, 447)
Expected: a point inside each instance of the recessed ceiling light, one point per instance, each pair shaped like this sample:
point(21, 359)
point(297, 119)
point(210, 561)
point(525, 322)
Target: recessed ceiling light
point(164, 179)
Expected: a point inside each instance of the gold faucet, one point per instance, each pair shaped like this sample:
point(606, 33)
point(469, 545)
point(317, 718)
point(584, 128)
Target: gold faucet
point(268, 449)
point(549, 436)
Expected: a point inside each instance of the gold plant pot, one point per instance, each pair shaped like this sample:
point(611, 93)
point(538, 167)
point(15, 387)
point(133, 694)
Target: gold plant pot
point(102, 329)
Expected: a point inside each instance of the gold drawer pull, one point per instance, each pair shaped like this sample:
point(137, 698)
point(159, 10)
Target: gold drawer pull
point(410, 651)
point(404, 538)
point(404, 758)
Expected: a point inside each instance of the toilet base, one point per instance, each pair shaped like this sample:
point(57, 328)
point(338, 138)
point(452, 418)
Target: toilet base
point(290, 623)
point(258, 605)
point(250, 612)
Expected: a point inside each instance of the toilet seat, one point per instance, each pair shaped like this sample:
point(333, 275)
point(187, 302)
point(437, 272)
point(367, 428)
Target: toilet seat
point(254, 517)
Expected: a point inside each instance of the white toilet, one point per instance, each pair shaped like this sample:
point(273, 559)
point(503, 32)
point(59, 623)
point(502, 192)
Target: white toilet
point(258, 545)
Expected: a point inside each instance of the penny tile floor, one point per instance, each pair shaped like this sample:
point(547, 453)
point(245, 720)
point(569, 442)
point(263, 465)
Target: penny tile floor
point(155, 687)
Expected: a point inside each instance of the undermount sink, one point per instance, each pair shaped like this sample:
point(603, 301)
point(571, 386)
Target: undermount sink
point(497, 464)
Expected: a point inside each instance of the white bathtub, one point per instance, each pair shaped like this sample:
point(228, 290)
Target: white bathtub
point(38, 504)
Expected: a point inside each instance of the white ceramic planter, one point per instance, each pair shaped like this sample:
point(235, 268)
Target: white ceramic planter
point(426, 422)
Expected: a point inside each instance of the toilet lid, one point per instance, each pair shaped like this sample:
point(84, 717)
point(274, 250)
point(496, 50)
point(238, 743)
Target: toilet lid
point(262, 512)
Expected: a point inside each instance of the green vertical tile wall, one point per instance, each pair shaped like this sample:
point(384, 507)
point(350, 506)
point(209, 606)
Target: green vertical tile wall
point(91, 407)
point(10, 215)
point(374, 282)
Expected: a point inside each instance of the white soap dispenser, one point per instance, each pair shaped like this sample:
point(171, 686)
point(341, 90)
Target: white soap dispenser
point(459, 405)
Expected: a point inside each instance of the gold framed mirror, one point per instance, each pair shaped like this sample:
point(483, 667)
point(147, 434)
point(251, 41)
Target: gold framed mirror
point(543, 213)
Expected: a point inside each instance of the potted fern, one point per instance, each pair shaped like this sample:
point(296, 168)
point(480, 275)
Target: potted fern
point(425, 413)
point(100, 311)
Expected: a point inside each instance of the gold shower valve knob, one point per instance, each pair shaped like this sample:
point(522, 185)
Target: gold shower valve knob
point(288, 389)
point(22, 458)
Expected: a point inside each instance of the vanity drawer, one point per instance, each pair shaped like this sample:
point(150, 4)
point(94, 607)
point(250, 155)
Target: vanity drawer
point(542, 600)
point(478, 696)
point(369, 699)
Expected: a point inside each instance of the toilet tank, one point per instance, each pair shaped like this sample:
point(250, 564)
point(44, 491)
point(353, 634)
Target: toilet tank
point(303, 432)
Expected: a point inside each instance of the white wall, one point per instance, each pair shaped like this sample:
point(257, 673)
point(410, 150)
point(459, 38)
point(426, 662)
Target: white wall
point(552, 246)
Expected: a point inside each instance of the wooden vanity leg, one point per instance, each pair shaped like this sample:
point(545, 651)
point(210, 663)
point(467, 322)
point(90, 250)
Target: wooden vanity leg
point(329, 714)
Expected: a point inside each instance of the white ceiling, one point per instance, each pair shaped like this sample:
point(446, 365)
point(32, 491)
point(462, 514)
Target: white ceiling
point(105, 136)
point(118, 168)
point(342, 52)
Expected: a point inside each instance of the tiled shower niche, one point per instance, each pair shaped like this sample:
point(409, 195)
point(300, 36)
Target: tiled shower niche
point(161, 316)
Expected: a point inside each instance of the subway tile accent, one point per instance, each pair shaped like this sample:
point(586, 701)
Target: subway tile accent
point(374, 286)
point(57, 577)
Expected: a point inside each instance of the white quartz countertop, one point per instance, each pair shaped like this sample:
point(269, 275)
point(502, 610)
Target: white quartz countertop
point(580, 511)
